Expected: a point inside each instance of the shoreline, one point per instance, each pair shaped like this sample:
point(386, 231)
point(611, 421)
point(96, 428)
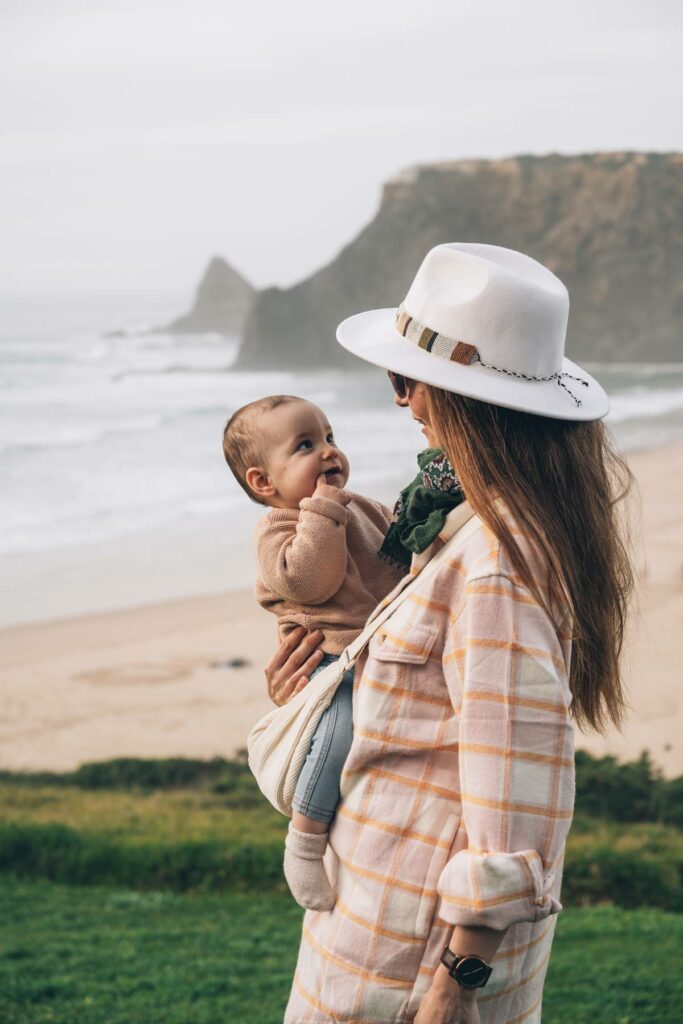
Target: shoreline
point(152, 680)
point(186, 558)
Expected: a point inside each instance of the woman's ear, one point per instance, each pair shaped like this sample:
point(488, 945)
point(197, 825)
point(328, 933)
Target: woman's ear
point(257, 480)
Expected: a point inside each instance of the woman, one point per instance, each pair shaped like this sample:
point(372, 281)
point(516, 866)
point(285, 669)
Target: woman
point(457, 795)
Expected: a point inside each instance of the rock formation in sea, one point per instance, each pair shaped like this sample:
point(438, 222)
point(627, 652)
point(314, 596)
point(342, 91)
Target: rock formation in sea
point(610, 225)
point(221, 304)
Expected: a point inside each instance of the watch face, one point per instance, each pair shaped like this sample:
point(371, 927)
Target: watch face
point(472, 972)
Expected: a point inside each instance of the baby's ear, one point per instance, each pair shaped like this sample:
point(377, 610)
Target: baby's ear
point(258, 481)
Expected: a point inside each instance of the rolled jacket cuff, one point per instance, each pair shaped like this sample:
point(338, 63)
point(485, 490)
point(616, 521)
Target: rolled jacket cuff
point(325, 507)
point(496, 890)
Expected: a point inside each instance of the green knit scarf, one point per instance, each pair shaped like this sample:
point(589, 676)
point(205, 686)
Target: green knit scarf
point(422, 507)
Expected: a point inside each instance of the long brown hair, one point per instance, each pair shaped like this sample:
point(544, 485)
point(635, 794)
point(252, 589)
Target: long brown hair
point(563, 483)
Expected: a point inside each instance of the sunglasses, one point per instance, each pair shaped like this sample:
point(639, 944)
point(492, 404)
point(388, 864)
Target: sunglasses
point(399, 383)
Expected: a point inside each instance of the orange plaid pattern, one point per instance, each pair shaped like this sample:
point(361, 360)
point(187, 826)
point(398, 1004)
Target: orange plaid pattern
point(457, 797)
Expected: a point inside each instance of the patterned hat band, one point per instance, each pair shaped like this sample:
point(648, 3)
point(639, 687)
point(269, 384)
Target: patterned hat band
point(462, 352)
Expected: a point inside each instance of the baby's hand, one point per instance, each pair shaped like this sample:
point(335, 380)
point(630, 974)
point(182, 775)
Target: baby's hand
point(325, 490)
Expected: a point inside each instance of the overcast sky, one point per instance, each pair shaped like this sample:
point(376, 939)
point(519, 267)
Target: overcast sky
point(139, 138)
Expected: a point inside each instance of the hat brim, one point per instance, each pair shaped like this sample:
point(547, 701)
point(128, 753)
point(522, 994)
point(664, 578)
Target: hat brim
point(372, 336)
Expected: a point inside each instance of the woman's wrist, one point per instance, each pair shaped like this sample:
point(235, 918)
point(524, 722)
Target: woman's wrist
point(449, 990)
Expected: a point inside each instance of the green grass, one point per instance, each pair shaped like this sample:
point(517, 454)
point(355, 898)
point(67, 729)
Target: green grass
point(177, 816)
point(176, 912)
point(218, 832)
point(99, 956)
point(633, 865)
point(612, 966)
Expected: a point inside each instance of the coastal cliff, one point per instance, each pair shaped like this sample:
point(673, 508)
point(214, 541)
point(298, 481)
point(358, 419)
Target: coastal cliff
point(610, 225)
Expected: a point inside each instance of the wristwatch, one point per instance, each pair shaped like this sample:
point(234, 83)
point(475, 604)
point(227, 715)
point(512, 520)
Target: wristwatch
point(469, 970)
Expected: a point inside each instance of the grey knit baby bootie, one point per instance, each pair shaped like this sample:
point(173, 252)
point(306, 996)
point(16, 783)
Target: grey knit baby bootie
point(305, 871)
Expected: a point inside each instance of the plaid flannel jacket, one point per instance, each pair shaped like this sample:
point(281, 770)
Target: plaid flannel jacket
point(457, 797)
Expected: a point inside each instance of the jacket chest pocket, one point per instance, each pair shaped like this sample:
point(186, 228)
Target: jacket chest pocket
point(403, 660)
point(407, 646)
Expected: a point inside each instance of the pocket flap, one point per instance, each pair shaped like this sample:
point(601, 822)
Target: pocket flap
point(412, 646)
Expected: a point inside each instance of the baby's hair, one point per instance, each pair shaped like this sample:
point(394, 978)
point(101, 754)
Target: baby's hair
point(242, 438)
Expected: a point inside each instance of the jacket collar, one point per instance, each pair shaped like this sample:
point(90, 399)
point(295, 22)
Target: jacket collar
point(455, 520)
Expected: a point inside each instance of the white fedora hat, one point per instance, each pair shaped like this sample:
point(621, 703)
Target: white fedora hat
point(485, 322)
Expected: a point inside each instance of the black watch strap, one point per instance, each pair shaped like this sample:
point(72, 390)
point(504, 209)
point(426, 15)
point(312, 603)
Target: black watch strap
point(468, 969)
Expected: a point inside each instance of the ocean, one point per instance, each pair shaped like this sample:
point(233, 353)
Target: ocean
point(114, 487)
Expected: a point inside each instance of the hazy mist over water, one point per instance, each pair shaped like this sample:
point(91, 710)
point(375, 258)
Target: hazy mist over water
point(105, 439)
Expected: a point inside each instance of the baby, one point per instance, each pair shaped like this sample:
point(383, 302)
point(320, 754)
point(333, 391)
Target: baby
point(317, 551)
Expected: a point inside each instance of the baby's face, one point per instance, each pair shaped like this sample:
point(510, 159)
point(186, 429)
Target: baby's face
point(298, 445)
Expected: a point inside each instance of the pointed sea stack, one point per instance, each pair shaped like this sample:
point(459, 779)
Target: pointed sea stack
point(221, 304)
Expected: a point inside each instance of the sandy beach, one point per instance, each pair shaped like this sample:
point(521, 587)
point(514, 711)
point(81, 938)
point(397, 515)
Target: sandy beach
point(185, 677)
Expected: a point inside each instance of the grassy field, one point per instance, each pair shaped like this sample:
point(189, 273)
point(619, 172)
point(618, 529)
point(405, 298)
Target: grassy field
point(206, 837)
point(143, 892)
point(99, 956)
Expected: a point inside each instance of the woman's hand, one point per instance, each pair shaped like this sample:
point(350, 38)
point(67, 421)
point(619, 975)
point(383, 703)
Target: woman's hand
point(289, 670)
point(447, 1003)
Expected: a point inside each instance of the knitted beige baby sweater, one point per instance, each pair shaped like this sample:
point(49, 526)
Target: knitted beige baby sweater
point(319, 567)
